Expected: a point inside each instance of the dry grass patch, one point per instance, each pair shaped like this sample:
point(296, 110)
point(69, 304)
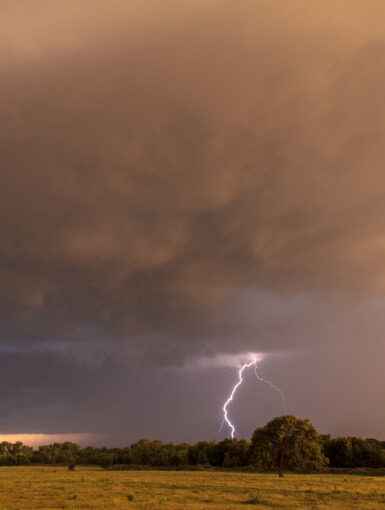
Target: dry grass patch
point(93, 488)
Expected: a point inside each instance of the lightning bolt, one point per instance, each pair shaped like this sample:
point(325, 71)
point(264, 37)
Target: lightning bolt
point(274, 388)
point(252, 363)
point(230, 399)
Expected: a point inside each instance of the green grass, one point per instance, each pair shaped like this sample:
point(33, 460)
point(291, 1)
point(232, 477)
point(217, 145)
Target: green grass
point(93, 488)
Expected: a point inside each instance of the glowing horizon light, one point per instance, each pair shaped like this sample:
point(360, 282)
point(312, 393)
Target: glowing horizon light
point(38, 439)
point(253, 362)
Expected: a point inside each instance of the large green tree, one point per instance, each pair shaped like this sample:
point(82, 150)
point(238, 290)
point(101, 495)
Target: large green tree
point(287, 442)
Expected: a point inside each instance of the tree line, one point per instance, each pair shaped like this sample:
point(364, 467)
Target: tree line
point(285, 443)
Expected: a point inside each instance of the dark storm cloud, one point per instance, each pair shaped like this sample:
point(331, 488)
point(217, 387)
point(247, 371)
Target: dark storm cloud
point(184, 179)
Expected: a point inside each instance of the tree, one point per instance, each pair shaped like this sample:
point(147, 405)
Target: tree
point(181, 454)
point(147, 453)
point(339, 451)
point(287, 442)
point(231, 453)
point(352, 452)
point(202, 453)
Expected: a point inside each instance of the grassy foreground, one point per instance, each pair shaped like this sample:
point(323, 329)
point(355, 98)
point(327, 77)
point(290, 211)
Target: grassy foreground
point(56, 487)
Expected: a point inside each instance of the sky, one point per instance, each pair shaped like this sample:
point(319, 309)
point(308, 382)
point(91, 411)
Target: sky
point(183, 183)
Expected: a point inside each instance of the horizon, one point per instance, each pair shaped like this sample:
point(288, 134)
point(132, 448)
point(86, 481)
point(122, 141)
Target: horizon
point(97, 441)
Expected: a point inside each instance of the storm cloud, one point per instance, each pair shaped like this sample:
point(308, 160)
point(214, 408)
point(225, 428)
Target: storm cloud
point(184, 180)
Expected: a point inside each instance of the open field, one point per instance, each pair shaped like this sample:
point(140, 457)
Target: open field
point(91, 487)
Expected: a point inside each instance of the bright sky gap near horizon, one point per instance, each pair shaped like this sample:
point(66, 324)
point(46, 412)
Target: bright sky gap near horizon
point(183, 183)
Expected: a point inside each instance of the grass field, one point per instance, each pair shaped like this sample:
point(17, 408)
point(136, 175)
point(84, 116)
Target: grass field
point(53, 488)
